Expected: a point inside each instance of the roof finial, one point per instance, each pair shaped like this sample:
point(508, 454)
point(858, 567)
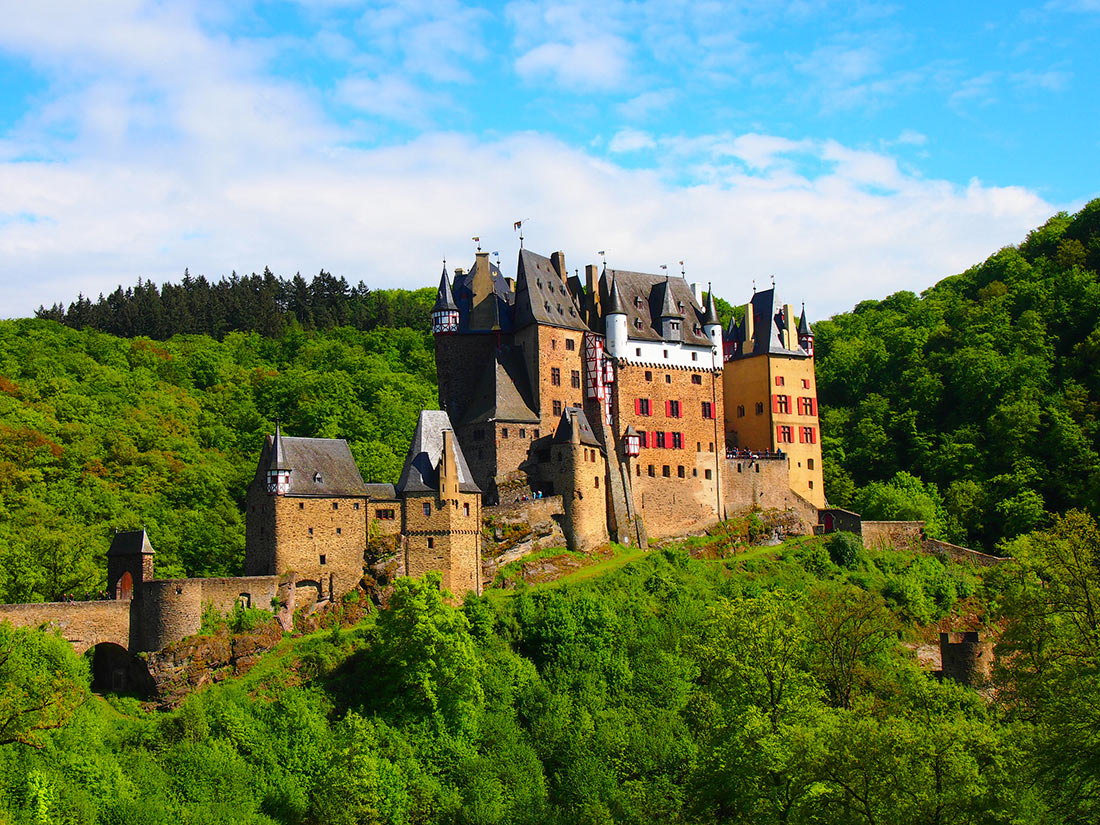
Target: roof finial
point(477, 240)
point(754, 286)
point(603, 258)
point(518, 227)
point(682, 271)
point(773, 280)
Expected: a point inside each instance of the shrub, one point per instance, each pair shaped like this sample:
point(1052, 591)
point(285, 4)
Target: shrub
point(844, 549)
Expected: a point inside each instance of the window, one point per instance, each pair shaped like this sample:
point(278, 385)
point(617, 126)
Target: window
point(311, 531)
point(781, 404)
point(555, 376)
point(648, 374)
point(466, 508)
point(666, 471)
point(431, 542)
point(674, 326)
point(673, 409)
point(323, 558)
point(503, 432)
point(696, 378)
point(706, 474)
point(677, 441)
point(522, 432)
point(597, 480)
point(355, 506)
point(335, 505)
point(666, 353)
point(427, 509)
point(809, 463)
point(808, 406)
point(659, 440)
point(301, 506)
point(642, 442)
point(536, 434)
point(668, 378)
point(759, 407)
point(339, 531)
point(740, 410)
point(698, 446)
point(385, 515)
point(317, 478)
point(784, 434)
point(557, 408)
point(570, 344)
point(680, 470)
point(695, 356)
point(710, 446)
point(651, 472)
point(575, 379)
point(708, 409)
point(694, 473)
point(642, 406)
point(779, 380)
point(638, 325)
point(805, 383)
point(553, 341)
point(638, 302)
point(808, 435)
point(637, 350)
point(638, 468)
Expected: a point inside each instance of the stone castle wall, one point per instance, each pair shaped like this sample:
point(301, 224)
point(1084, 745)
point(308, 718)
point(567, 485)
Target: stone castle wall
point(581, 475)
point(763, 483)
point(903, 535)
point(966, 657)
point(83, 624)
point(445, 539)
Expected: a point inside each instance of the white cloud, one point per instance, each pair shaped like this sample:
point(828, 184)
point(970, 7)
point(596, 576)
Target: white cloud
point(643, 105)
point(911, 137)
point(597, 63)
point(630, 140)
point(391, 97)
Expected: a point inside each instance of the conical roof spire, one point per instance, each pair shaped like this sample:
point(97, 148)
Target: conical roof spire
point(278, 452)
point(711, 316)
point(803, 324)
point(444, 300)
point(614, 300)
point(668, 303)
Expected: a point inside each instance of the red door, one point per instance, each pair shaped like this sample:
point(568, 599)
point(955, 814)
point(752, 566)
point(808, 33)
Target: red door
point(125, 588)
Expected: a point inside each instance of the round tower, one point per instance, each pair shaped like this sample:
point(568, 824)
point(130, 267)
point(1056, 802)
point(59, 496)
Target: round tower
point(805, 334)
point(445, 311)
point(712, 327)
point(278, 471)
point(615, 327)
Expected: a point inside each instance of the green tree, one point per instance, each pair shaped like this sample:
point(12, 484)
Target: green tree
point(42, 682)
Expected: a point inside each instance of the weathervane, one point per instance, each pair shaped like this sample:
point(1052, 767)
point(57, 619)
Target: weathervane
point(518, 227)
point(603, 258)
point(682, 272)
point(477, 240)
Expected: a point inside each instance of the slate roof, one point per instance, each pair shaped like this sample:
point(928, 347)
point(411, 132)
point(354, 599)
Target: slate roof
point(542, 296)
point(421, 470)
point(803, 324)
point(766, 311)
point(503, 391)
point(318, 467)
point(377, 490)
point(710, 316)
point(573, 418)
point(642, 296)
point(444, 298)
point(131, 543)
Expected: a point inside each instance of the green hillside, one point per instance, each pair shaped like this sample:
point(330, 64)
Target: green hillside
point(775, 687)
point(986, 388)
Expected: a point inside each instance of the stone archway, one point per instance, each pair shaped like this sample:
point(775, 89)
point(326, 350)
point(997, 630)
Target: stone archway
point(116, 670)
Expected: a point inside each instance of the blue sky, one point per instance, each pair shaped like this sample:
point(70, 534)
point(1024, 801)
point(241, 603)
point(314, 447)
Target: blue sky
point(847, 149)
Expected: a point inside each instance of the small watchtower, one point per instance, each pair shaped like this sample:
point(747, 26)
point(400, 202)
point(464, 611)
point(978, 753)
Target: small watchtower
point(129, 563)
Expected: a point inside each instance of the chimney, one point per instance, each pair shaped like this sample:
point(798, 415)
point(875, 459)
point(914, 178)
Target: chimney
point(448, 467)
point(592, 288)
point(697, 291)
point(459, 271)
point(558, 260)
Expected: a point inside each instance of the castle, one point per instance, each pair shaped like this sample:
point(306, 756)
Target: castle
point(626, 396)
point(623, 395)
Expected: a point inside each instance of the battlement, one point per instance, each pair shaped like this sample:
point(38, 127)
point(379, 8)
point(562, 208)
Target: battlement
point(967, 657)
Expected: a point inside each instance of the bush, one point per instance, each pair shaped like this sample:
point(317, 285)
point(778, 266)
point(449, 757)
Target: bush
point(844, 549)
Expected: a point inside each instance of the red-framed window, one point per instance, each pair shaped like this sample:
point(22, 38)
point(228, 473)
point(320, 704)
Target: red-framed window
point(781, 404)
point(677, 440)
point(672, 409)
point(807, 435)
point(779, 381)
point(642, 406)
point(659, 439)
point(708, 409)
point(784, 434)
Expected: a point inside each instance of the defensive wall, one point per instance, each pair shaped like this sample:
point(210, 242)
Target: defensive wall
point(966, 657)
point(903, 535)
point(83, 624)
point(751, 481)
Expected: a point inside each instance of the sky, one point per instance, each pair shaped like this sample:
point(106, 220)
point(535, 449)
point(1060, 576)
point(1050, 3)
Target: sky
point(846, 150)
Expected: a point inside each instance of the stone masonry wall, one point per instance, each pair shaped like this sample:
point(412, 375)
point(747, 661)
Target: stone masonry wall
point(582, 476)
point(444, 539)
point(322, 540)
point(763, 484)
point(83, 624)
point(676, 490)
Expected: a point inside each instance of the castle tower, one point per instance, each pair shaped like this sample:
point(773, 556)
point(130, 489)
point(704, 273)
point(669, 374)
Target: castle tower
point(615, 331)
point(805, 334)
point(306, 514)
point(712, 327)
point(771, 392)
point(129, 564)
point(445, 311)
point(441, 507)
point(581, 475)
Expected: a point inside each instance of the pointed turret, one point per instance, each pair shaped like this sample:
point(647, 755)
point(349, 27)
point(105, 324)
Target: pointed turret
point(712, 327)
point(805, 334)
point(614, 321)
point(445, 311)
point(278, 468)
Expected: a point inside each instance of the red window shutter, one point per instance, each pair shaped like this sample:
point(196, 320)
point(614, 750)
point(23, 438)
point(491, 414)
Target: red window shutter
point(813, 435)
point(637, 406)
point(788, 403)
point(801, 406)
point(778, 434)
point(643, 439)
point(801, 435)
point(775, 403)
point(670, 442)
point(668, 409)
point(681, 441)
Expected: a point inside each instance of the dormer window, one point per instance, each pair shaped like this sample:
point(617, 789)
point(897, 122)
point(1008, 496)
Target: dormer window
point(697, 329)
point(317, 478)
point(638, 302)
point(680, 306)
point(637, 323)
